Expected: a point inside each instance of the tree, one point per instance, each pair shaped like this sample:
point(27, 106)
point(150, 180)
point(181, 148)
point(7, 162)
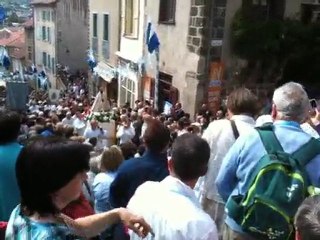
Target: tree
point(13, 18)
point(277, 50)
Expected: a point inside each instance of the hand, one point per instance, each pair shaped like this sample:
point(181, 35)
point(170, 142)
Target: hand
point(135, 223)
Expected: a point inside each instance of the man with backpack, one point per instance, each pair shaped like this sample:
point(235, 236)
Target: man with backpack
point(267, 173)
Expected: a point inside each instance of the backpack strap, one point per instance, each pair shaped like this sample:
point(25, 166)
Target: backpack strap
point(307, 152)
point(234, 129)
point(269, 139)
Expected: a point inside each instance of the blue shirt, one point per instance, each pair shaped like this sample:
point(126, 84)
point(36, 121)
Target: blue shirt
point(233, 177)
point(101, 188)
point(9, 191)
point(133, 172)
point(21, 227)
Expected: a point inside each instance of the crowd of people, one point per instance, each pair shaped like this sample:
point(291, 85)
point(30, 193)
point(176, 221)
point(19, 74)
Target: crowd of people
point(240, 173)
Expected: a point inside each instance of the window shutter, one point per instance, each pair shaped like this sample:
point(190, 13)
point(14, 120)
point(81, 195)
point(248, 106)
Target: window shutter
point(49, 61)
point(52, 36)
point(53, 66)
point(136, 12)
point(123, 19)
point(39, 33)
point(49, 34)
point(44, 31)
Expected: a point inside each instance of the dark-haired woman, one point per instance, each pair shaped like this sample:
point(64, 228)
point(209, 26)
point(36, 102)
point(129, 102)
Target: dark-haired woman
point(50, 174)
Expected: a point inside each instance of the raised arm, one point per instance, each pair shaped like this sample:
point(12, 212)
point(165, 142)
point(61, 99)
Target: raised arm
point(93, 225)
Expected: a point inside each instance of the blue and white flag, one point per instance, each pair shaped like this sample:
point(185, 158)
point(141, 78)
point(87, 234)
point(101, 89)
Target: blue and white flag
point(4, 58)
point(3, 14)
point(152, 39)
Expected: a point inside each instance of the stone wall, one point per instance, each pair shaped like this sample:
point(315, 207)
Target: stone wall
point(197, 25)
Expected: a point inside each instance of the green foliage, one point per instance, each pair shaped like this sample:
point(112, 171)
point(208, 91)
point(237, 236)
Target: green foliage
point(101, 117)
point(13, 18)
point(255, 40)
point(283, 50)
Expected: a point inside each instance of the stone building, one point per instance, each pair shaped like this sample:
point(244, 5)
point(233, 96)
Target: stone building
point(195, 54)
point(61, 35)
point(179, 25)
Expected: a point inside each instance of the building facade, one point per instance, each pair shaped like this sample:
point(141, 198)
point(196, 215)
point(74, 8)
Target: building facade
point(29, 40)
point(45, 58)
point(196, 61)
point(178, 24)
point(104, 36)
point(61, 35)
point(130, 54)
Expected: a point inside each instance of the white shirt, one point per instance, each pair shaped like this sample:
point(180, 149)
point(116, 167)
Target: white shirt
point(220, 137)
point(79, 125)
point(67, 121)
point(173, 211)
point(263, 119)
point(92, 133)
point(97, 133)
point(125, 134)
point(310, 130)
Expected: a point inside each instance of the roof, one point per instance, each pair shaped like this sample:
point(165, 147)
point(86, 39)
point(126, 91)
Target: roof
point(43, 2)
point(28, 23)
point(12, 39)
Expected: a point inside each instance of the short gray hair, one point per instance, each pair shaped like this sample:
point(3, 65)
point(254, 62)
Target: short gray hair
point(292, 101)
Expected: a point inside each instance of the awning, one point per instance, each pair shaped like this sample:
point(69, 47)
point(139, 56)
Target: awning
point(105, 71)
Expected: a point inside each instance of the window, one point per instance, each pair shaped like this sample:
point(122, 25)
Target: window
point(52, 65)
point(43, 15)
point(49, 16)
point(106, 27)
point(48, 35)
point(53, 16)
point(95, 25)
point(29, 55)
point(105, 43)
point(44, 59)
point(130, 18)
point(127, 91)
point(49, 61)
point(167, 11)
point(44, 30)
point(39, 33)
